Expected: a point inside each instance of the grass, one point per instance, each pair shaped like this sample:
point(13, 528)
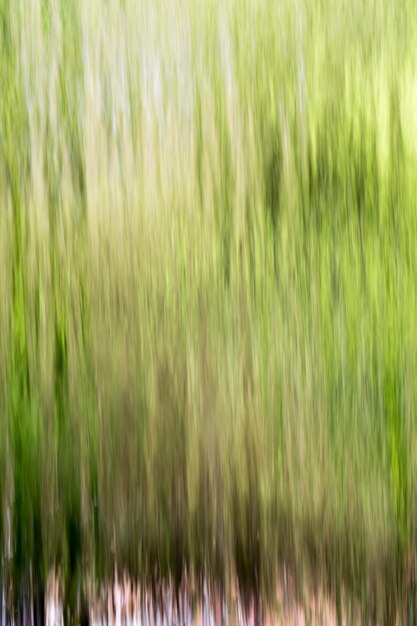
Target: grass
point(208, 344)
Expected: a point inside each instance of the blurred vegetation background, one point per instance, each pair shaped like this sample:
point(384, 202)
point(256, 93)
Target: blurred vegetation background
point(208, 339)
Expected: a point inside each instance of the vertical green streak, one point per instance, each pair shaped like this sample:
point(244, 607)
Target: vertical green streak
point(224, 195)
point(69, 532)
point(67, 443)
point(24, 418)
point(397, 453)
point(91, 417)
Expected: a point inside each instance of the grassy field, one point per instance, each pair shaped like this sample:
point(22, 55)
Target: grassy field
point(208, 272)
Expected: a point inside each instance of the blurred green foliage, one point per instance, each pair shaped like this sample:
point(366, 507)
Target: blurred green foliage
point(208, 284)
